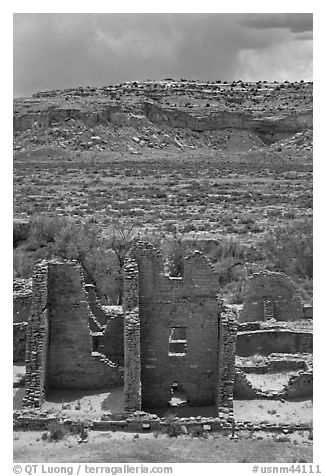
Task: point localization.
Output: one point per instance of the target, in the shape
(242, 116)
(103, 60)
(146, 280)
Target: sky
(62, 50)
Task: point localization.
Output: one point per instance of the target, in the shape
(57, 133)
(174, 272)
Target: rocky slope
(162, 114)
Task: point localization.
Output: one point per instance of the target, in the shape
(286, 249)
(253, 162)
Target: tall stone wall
(187, 305)
(226, 358)
(132, 377)
(37, 340)
(71, 363)
(271, 295)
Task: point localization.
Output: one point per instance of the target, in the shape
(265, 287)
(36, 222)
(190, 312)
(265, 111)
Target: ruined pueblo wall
(37, 340)
(271, 295)
(58, 338)
(265, 342)
(112, 340)
(132, 377)
(71, 363)
(109, 321)
(226, 358)
(189, 304)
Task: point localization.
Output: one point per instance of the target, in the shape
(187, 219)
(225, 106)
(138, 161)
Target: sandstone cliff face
(271, 112)
(44, 119)
(270, 128)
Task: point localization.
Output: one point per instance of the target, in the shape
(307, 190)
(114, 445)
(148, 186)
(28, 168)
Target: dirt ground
(273, 411)
(90, 402)
(119, 447)
(270, 381)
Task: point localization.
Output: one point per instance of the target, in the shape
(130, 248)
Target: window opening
(178, 341)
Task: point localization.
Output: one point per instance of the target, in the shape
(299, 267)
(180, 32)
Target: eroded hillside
(164, 114)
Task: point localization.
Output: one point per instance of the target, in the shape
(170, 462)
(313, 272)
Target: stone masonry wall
(165, 304)
(243, 389)
(37, 337)
(71, 363)
(95, 305)
(112, 339)
(265, 342)
(271, 295)
(226, 351)
(132, 385)
(299, 386)
(108, 323)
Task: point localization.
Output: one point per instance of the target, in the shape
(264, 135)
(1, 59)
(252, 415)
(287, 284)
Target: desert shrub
(290, 249)
(173, 426)
(235, 291)
(197, 432)
(174, 251)
(228, 248)
(22, 264)
(229, 270)
(45, 229)
(20, 232)
(102, 259)
(56, 432)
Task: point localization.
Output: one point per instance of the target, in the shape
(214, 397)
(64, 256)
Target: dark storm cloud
(65, 50)
(296, 23)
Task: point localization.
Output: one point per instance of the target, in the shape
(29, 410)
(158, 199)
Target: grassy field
(117, 447)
